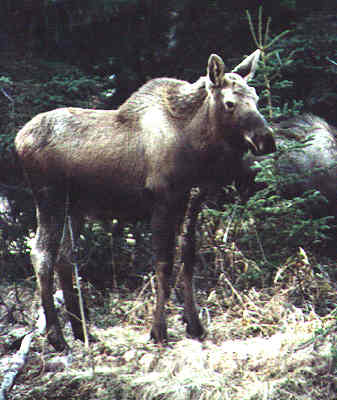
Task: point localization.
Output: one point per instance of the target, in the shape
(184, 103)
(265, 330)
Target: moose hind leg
(43, 255)
(64, 269)
(194, 327)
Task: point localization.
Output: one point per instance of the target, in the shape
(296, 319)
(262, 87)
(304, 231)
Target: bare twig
(229, 223)
(234, 291)
(78, 285)
(68, 224)
(260, 245)
(10, 99)
(332, 62)
(3, 91)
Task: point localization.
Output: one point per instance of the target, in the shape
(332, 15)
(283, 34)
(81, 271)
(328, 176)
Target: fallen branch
(17, 363)
(18, 360)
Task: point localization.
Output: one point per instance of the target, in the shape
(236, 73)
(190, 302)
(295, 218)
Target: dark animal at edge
(312, 168)
(138, 161)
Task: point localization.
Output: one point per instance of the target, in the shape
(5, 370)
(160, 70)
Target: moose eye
(229, 105)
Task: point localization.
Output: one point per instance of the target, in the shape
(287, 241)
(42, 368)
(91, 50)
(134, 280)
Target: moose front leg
(194, 327)
(163, 242)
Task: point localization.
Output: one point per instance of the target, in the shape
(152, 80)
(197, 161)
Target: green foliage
(269, 78)
(122, 254)
(8, 114)
(271, 227)
(74, 89)
(49, 85)
(283, 224)
(290, 4)
(5, 80)
(16, 226)
(272, 224)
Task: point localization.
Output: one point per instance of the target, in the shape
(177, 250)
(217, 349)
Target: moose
(314, 167)
(138, 161)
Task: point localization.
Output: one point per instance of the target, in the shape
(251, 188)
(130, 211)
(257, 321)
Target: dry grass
(275, 343)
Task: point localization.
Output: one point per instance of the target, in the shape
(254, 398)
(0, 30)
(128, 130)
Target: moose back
(138, 161)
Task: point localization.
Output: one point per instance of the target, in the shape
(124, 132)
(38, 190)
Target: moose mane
(174, 96)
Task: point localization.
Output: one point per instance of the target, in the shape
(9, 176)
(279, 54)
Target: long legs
(165, 224)
(47, 252)
(194, 326)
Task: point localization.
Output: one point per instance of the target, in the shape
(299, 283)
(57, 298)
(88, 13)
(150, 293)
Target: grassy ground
(273, 343)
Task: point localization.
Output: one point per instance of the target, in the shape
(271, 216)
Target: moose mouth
(260, 144)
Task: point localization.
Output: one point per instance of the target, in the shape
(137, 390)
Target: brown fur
(140, 160)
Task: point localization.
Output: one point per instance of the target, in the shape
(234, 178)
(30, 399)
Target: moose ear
(248, 66)
(215, 69)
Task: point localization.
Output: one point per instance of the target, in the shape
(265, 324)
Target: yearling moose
(138, 161)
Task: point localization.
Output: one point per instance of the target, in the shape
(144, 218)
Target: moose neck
(201, 123)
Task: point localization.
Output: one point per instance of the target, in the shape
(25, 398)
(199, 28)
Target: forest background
(94, 54)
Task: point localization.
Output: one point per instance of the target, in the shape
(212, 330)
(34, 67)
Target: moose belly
(116, 201)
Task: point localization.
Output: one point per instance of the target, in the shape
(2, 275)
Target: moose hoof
(159, 333)
(57, 341)
(196, 331)
(78, 334)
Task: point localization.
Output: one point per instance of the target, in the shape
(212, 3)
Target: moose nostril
(230, 105)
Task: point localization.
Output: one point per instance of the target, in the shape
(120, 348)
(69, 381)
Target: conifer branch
(263, 42)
